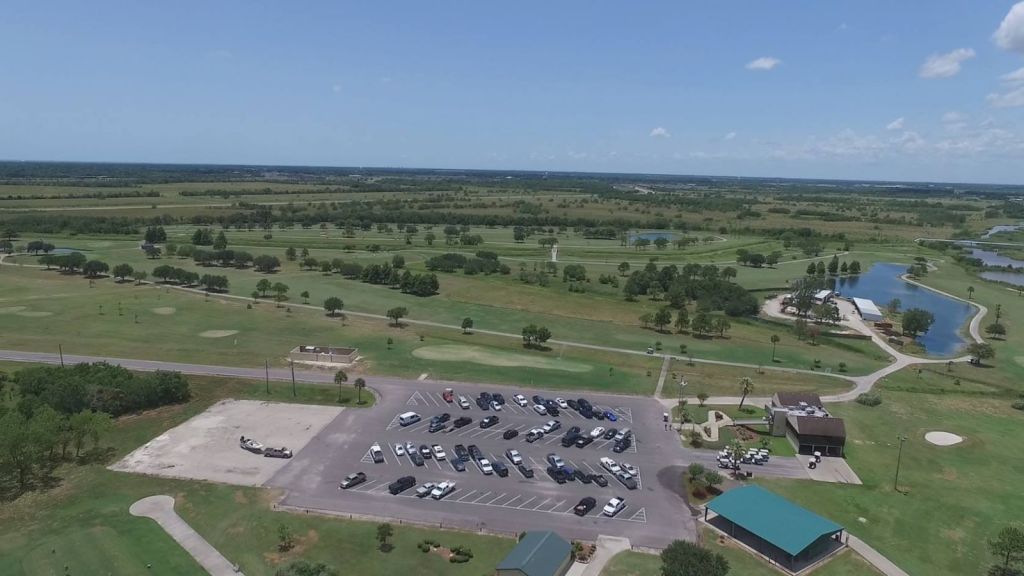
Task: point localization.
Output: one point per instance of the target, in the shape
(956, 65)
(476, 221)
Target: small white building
(867, 309)
(822, 296)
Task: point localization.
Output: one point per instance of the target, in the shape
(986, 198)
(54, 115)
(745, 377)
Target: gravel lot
(206, 446)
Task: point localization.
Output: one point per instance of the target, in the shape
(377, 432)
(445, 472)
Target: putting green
(478, 355)
(165, 310)
(218, 333)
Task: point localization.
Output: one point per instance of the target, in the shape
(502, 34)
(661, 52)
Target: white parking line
(502, 496)
(546, 500)
(482, 496)
(467, 495)
(592, 469)
(525, 503)
(506, 504)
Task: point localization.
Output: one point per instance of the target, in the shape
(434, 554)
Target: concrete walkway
(607, 548)
(161, 509)
(873, 557)
(662, 376)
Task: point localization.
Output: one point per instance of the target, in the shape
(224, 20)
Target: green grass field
(741, 562)
(82, 526)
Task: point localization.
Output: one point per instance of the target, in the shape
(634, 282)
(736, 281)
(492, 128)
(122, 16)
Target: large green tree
(917, 321)
(683, 558)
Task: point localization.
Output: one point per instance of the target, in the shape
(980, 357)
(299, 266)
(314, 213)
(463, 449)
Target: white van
(408, 418)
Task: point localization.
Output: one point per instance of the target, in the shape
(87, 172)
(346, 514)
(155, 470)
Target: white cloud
(1015, 77)
(945, 65)
(730, 136)
(1012, 99)
(660, 132)
(952, 117)
(896, 124)
(1010, 34)
(764, 63)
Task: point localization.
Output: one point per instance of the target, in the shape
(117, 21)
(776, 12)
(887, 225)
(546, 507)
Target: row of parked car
(543, 406)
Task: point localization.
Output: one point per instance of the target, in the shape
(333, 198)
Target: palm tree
(359, 384)
(970, 292)
(340, 378)
(746, 386)
(775, 340)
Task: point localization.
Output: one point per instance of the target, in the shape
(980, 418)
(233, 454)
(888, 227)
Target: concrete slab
(206, 446)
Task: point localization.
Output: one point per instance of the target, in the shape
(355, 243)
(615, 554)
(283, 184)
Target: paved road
(161, 509)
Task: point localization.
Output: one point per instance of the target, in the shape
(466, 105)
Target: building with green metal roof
(786, 534)
(538, 554)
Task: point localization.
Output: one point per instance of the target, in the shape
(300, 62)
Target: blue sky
(919, 90)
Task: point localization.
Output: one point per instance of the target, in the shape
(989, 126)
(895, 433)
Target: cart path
(161, 509)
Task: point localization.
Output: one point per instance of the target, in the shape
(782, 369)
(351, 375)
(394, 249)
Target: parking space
(655, 512)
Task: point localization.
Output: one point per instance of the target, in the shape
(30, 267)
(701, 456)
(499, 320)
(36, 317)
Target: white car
(410, 447)
(610, 465)
(613, 507)
(425, 489)
(597, 432)
(520, 399)
(630, 469)
(540, 409)
(441, 490)
(514, 457)
(438, 452)
(399, 449)
(561, 403)
(463, 403)
(485, 467)
(495, 406)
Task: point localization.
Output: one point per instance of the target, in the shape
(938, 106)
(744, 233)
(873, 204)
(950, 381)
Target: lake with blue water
(882, 282)
(651, 235)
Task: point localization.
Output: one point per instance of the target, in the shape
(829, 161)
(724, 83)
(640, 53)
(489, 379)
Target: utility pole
(60, 352)
(266, 367)
(292, 365)
(899, 459)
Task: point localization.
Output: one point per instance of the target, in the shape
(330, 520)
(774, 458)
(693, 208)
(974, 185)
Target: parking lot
(655, 512)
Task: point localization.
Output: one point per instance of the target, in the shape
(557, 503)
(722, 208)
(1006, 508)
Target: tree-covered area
(704, 284)
(98, 387)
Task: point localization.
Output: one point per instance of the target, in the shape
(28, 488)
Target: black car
(585, 405)
(599, 415)
(436, 427)
(352, 480)
(537, 399)
(569, 439)
(610, 433)
(583, 441)
(474, 452)
(425, 452)
(497, 397)
(622, 445)
(583, 477)
(575, 430)
(402, 484)
(442, 418)
(585, 506)
(557, 474)
(525, 470)
(459, 465)
(462, 421)
(461, 453)
(489, 421)
(416, 458)
(486, 397)
(600, 480)
(570, 474)
(573, 404)
(551, 407)
(510, 434)
(499, 468)
(482, 404)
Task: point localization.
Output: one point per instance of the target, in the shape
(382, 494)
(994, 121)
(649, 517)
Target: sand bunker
(12, 309)
(943, 438)
(478, 355)
(218, 333)
(165, 310)
(34, 313)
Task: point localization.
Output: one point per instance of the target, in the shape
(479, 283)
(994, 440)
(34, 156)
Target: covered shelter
(810, 434)
(786, 534)
(867, 309)
(539, 553)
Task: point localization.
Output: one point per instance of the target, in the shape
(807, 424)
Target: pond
(1001, 228)
(882, 283)
(651, 235)
(1008, 277)
(993, 258)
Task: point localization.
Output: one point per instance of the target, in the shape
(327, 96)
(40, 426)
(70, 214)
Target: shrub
(1018, 405)
(869, 399)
